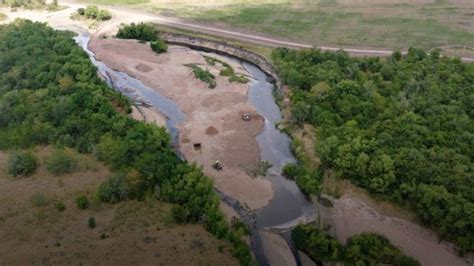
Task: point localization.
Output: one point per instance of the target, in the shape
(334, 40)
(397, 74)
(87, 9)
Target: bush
(159, 46)
(91, 223)
(82, 202)
(141, 31)
(290, 170)
(60, 206)
(93, 12)
(61, 162)
(22, 164)
(317, 244)
(204, 76)
(226, 72)
(180, 214)
(114, 189)
(238, 78)
(81, 11)
(39, 200)
(374, 249)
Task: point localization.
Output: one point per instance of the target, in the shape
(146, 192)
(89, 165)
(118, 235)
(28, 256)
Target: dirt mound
(211, 131)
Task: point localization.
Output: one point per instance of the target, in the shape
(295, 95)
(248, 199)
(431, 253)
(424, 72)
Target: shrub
(226, 72)
(318, 245)
(159, 46)
(290, 170)
(81, 11)
(61, 162)
(22, 164)
(204, 76)
(39, 200)
(263, 168)
(141, 31)
(114, 189)
(93, 12)
(91, 223)
(103, 15)
(239, 226)
(180, 214)
(60, 206)
(373, 249)
(82, 202)
(238, 78)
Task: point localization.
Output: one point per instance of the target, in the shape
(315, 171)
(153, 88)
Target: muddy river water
(289, 205)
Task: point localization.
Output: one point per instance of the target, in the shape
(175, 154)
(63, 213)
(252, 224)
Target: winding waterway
(289, 205)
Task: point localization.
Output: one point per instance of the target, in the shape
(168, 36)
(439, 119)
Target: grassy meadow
(394, 24)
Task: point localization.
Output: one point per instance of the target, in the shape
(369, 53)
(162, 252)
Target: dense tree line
(401, 127)
(50, 94)
(362, 249)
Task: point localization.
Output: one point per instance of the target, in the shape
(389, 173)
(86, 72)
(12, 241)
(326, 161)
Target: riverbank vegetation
(204, 75)
(227, 70)
(400, 127)
(94, 13)
(50, 94)
(362, 249)
(3, 16)
(143, 32)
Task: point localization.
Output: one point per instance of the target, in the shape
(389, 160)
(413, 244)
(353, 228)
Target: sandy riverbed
(213, 116)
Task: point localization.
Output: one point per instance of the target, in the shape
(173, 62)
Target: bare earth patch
(276, 249)
(220, 108)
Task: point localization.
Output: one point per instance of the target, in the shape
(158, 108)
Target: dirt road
(240, 34)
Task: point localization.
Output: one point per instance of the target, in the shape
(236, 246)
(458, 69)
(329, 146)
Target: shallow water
(289, 205)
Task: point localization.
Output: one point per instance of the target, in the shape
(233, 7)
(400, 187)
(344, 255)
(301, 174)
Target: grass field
(33, 230)
(394, 24)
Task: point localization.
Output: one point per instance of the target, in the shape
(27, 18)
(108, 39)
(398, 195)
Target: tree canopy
(401, 127)
(50, 94)
(361, 249)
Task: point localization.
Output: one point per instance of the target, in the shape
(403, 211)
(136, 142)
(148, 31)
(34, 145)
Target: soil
(34, 231)
(213, 116)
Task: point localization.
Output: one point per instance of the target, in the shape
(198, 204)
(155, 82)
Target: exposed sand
(276, 249)
(213, 116)
(149, 115)
(305, 259)
(351, 215)
(228, 212)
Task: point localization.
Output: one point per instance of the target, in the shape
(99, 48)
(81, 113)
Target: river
(289, 205)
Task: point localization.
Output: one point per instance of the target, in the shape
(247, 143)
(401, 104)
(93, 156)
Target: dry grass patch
(40, 223)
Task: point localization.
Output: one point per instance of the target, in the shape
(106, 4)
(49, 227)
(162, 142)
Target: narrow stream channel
(289, 205)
